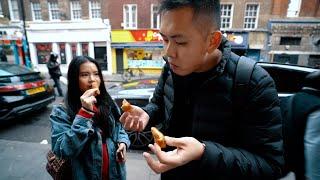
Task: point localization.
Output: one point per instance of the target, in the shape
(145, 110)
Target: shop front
(238, 41)
(137, 49)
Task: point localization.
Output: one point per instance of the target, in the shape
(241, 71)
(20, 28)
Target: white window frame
(152, 17)
(230, 17)
(130, 24)
(94, 5)
(33, 11)
(75, 6)
(51, 9)
(12, 11)
(1, 12)
(257, 16)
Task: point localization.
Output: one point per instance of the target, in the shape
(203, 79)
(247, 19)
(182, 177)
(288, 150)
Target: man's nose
(170, 50)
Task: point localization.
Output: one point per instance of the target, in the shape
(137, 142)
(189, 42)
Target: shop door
(119, 59)
(100, 54)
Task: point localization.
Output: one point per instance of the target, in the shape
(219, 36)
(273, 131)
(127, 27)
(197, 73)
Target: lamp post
(25, 44)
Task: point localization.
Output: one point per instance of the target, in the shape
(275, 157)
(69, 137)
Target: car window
(10, 69)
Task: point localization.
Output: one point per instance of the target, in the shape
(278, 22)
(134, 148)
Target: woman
(86, 127)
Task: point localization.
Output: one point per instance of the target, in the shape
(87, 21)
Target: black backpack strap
(242, 76)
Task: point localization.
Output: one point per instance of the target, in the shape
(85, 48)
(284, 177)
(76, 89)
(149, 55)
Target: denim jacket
(80, 141)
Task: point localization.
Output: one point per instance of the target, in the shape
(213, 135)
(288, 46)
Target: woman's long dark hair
(72, 101)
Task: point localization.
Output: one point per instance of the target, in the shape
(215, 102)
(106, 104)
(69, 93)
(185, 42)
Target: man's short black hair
(207, 8)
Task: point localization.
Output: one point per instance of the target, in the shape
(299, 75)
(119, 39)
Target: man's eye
(181, 43)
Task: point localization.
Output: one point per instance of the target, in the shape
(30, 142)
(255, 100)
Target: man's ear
(214, 41)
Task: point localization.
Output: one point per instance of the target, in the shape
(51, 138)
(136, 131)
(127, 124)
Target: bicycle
(129, 73)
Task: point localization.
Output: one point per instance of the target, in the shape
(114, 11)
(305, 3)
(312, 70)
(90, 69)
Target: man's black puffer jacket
(246, 145)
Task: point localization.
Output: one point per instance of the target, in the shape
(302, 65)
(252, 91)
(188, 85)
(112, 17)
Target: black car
(288, 80)
(21, 91)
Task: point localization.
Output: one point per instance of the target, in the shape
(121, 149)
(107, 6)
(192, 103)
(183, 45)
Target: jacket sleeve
(69, 138)
(259, 133)
(155, 109)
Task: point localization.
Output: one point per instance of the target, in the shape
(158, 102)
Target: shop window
(62, 47)
(145, 58)
(130, 16)
(286, 59)
(314, 61)
(226, 15)
(251, 16)
(36, 11)
(85, 49)
(290, 41)
(74, 50)
(54, 13)
(94, 9)
(75, 10)
(43, 52)
(14, 10)
(155, 17)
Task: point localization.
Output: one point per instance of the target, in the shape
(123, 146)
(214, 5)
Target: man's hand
(188, 149)
(88, 98)
(135, 120)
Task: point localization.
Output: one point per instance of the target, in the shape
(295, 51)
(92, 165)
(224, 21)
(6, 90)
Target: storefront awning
(136, 45)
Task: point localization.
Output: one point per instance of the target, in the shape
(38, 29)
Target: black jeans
(57, 84)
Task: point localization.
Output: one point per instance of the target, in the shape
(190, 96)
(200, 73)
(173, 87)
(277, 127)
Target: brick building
(295, 37)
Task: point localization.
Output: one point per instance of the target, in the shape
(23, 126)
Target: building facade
(136, 42)
(295, 38)
(69, 28)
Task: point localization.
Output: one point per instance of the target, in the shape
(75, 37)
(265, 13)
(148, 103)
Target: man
(54, 71)
(214, 138)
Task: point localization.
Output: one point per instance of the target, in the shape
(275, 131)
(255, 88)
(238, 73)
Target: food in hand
(158, 137)
(126, 106)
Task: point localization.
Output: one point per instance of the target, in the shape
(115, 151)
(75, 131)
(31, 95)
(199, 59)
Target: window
(36, 11)
(75, 10)
(14, 10)
(130, 16)
(54, 13)
(95, 9)
(155, 17)
(1, 12)
(294, 8)
(251, 16)
(290, 41)
(226, 16)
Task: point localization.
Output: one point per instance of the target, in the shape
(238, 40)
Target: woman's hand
(121, 152)
(134, 120)
(88, 98)
(188, 149)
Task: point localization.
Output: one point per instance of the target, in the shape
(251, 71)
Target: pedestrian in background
(3, 56)
(216, 136)
(54, 71)
(86, 127)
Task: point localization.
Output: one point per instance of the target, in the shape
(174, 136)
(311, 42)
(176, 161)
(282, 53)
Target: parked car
(288, 79)
(137, 92)
(21, 91)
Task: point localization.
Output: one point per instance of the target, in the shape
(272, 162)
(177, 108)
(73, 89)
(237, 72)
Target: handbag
(58, 168)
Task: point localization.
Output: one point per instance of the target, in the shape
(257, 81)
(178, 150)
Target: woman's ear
(214, 41)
